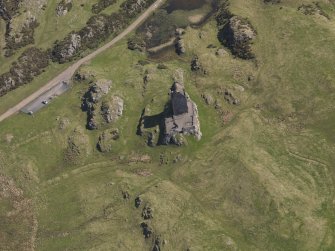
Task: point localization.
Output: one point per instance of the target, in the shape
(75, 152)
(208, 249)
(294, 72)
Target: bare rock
(112, 110)
(138, 201)
(195, 64)
(180, 46)
(63, 7)
(230, 98)
(147, 213)
(209, 100)
(125, 195)
(157, 244)
(147, 230)
(237, 35)
(220, 52)
(91, 100)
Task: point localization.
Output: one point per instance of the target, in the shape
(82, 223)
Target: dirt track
(68, 73)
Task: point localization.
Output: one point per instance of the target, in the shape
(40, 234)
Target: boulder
(209, 100)
(125, 195)
(195, 64)
(146, 230)
(147, 213)
(157, 244)
(230, 98)
(138, 201)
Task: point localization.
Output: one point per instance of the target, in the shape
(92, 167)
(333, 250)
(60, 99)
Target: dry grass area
(261, 178)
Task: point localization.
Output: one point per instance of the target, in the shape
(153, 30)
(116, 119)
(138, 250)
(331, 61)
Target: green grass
(262, 181)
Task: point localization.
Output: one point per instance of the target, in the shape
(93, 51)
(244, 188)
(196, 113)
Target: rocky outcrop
(63, 7)
(9, 8)
(313, 9)
(146, 230)
(131, 8)
(180, 43)
(67, 49)
(238, 35)
(92, 101)
(136, 43)
(20, 38)
(181, 117)
(180, 46)
(209, 100)
(107, 139)
(157, 244)
(147, 213)
(112, 109)
(138, 201)
(21, 22)
(30, 64)
(196, 66)
(97, 29)
(230, 98)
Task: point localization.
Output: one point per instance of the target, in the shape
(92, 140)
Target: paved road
(48, 96)
(68, 73)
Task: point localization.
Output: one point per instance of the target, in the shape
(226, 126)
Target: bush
(30, 64)
(101, 5)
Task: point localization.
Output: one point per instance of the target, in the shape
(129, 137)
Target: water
(160, 28)
(184, 5)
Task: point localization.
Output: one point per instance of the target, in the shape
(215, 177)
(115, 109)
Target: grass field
(261, 178)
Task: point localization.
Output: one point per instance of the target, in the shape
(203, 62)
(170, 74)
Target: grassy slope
(263, 181)
(51, 28)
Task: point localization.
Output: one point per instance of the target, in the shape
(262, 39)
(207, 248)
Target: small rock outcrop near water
(180, 44)
(235, 32)
(237, 35)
